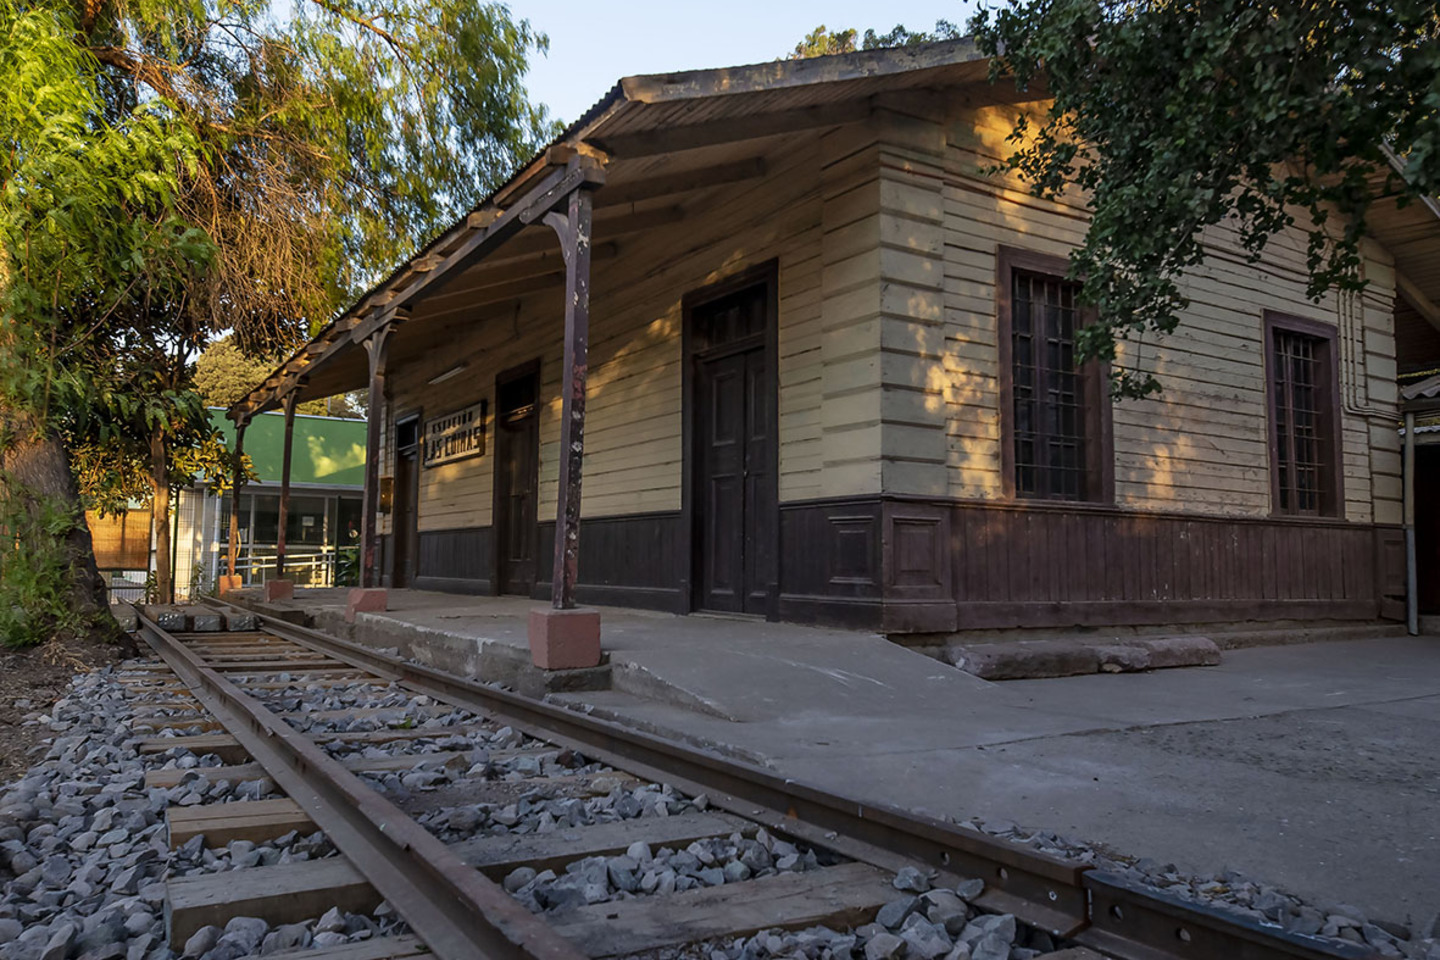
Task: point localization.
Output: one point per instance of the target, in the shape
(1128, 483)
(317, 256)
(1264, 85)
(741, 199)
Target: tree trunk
(160, 480)
(37, 466)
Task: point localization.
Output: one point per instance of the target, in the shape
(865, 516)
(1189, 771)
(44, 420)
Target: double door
(735, 491)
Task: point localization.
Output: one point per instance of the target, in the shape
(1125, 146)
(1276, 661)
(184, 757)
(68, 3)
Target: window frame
(1332, 498)
(1094, 379)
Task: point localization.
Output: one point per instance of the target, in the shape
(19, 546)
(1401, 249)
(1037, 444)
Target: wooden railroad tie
(228, 749)
(291, 893)
(220, 823)
(253, 771)
(379, 714)
(281, 815)
(377, 948)
(841, 895)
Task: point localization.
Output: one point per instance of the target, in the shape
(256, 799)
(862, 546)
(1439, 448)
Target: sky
(594, 44)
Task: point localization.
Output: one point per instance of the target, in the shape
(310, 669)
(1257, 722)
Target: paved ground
(1314, 767)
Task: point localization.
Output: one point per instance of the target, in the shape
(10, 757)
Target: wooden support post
(232, 581)
(1412, 580)
(573, 228)
(566, 637)
(375, 347)
(284, 517)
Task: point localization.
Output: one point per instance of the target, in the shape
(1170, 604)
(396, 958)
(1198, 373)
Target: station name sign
(455, 436)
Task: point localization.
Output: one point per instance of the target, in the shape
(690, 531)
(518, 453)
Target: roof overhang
(1409, 228)
(1423, 396)
(642, 117)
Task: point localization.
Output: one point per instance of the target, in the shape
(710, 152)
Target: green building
(327, 476)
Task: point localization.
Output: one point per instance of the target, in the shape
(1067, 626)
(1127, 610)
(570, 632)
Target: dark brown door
(406, 493)
(735, 488)
(517, 449)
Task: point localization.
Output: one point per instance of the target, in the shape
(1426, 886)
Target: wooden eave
(652, 133)
(1411, 233)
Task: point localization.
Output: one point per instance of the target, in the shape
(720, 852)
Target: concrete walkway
(1313, 767)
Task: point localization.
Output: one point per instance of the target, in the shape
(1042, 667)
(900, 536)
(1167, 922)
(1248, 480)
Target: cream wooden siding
(1202, 446)
(633, 419)
(886, 235)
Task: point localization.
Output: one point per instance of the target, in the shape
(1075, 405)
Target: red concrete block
(565, 639)
(279, 590)
(228, 583)
(365, 600)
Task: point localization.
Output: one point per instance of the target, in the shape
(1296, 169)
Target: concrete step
(1305, 633)
(1037, 659)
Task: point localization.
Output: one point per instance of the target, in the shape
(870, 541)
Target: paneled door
(405, 502)
(735, 455)
(517, 456)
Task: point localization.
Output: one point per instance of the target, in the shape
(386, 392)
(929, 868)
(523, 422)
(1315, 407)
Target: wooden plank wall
(1061, 567)
(633, 431)
(1202, 446)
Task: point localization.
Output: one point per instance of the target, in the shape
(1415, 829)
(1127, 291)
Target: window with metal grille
(1048, 392)
(1302, 415)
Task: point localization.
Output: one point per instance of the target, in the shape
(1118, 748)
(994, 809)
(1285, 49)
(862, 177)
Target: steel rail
(1071, 900)
(456, 910)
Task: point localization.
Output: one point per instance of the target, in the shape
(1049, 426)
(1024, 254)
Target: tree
(901, 37)
(1173, 117)
(85, 227)
(174, 170)
(224, 374)
(820, 42)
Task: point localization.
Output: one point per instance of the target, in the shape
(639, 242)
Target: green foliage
(172, 171)
(224, 373)
(109, 482)
(88, 231)
(1173, 117)
(901, 37)
(34, 567)
(347, 567)
(820, 42)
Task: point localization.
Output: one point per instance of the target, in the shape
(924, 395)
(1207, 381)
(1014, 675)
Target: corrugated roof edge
(298, 416)
(1427, 389)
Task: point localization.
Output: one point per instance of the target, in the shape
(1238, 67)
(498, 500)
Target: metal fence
(125, 586)
(306, 569)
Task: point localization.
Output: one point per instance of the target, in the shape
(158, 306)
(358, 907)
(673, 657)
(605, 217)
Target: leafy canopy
(1176, 116)
(820, 42)
(224, 374)
(175, 170)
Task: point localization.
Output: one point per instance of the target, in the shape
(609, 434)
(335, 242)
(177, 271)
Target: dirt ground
(32, 680)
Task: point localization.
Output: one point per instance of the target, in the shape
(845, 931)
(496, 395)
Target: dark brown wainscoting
(626, 561)
(455, 561)
(934, 566)
(830, 562)
(382, 550)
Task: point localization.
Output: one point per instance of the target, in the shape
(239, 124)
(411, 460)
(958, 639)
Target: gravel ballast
(83, 852)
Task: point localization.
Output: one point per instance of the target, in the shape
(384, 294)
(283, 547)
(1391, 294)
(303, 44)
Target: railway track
(499, 826)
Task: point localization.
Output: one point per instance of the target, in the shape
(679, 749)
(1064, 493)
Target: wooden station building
(814, 363)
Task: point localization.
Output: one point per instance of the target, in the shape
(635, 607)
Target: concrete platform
(1315, 767)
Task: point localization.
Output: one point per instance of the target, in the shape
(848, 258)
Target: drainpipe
(1412, 601)
(175, 542)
